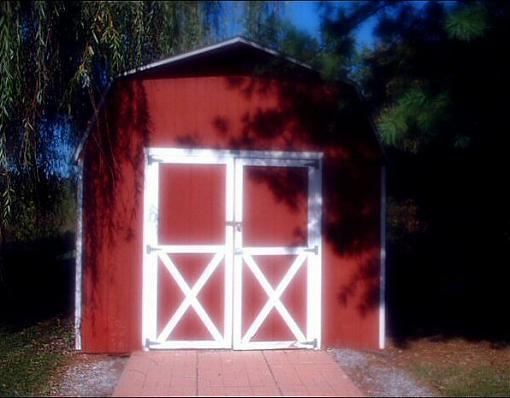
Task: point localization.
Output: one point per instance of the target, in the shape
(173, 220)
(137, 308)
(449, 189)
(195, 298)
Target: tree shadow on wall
(306, 116)
(309, 116)
(114, 174)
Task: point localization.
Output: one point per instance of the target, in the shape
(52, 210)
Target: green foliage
(416, 79)
(45, 210)
(338, 28)
(467, 23)
(437, 81)
(413, 120)
(262, 21)
(329, 63)
(404, 222)
(10, 50)
(299, 44)
(265, 23)
(60, 56)
(56, 59)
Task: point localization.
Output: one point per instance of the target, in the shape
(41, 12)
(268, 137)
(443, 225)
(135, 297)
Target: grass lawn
(457, 367)
(31, 356)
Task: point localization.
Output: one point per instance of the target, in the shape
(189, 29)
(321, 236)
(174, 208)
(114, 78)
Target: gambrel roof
(238, 53)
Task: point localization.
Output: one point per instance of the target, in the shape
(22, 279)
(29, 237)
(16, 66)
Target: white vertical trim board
(382, 282)
(229, 252)
(237, 258)
(315, 259)
(78, 277)
(150, 260)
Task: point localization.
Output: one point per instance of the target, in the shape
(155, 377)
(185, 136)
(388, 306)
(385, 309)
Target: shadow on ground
(37, 280)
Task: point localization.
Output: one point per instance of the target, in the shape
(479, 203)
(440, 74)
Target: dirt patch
(376, 375)
(88, 375)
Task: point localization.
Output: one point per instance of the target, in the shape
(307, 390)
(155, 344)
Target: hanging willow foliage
(56, 58)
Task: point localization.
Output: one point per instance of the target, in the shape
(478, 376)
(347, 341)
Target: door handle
(238, 226)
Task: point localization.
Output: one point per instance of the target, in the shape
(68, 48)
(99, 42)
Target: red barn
(229, 198)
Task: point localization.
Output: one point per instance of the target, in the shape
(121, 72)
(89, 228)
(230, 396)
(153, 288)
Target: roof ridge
(210, 48)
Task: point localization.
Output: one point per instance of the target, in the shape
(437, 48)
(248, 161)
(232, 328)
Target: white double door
(232, 249)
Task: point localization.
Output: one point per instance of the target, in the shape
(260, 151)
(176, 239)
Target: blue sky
(305, 15)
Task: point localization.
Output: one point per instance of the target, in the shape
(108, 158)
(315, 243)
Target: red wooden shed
(229, 198)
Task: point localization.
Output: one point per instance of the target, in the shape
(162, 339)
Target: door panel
(188, 270)
(192, 204)
(277, 253)
(275, 206)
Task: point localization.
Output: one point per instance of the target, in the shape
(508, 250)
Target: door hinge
(151, 159)
(314, 250)
(149, 249)
(149, 343)
(312, 343)
(313, 163)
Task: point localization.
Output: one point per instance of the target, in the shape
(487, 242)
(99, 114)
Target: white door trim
(382, 281)
(153, 253)
(173, 155)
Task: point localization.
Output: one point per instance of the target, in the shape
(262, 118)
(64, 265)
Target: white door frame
(310, 254)
(153, 252)
(233, 256)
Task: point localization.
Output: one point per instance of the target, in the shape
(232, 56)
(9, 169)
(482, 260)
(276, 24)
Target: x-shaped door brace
(274, 297)
(190, 295)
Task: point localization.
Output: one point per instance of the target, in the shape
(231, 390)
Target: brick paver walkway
(241, 373)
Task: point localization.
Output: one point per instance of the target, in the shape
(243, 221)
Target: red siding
(233, 112)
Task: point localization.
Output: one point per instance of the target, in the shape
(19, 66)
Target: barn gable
(239, 56)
